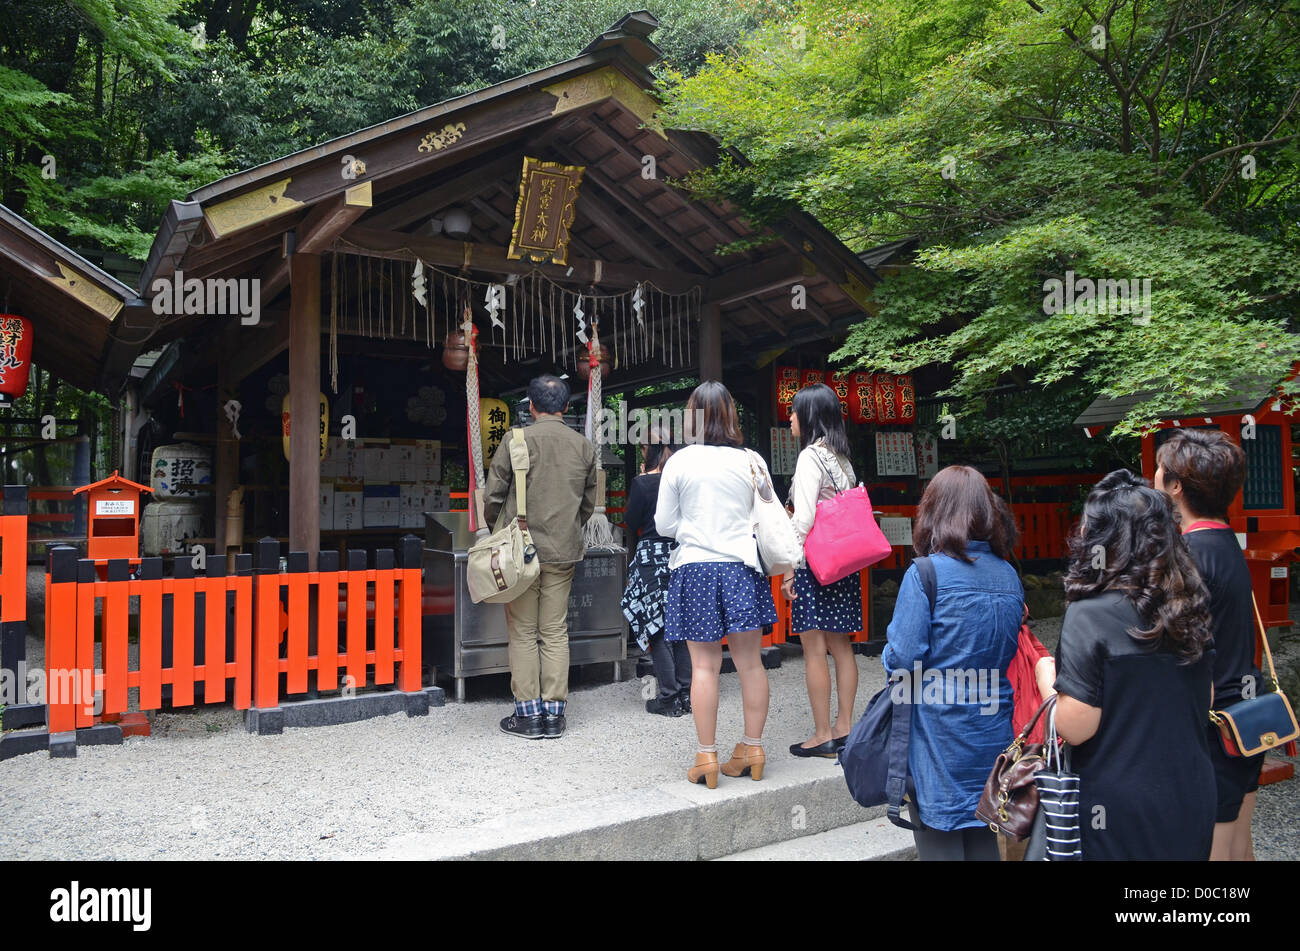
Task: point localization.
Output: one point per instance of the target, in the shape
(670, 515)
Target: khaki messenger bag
(505, 563)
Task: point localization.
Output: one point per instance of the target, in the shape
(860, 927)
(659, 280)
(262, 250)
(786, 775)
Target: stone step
(796, 799)
(876, 840)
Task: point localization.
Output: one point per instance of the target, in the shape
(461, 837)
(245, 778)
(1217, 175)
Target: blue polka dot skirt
(707, 600)
(835, 607)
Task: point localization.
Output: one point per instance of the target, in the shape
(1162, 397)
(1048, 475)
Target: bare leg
(706, 664)
(1243, 845)
(747, 654)
(1221, 848)
(846, 681)
(817, 676)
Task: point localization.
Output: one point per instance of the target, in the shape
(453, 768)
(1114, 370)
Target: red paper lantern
(839, 382)
(812, 378)
(15, 355)
(895, 399)
(862, 397)
(787, 385)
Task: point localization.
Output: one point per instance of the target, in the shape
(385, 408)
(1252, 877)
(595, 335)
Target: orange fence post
(60, 637)
(243, 587)
(151, 633)
(266, 626)
(385, 577)
(299, 582)
(409, 622)
(85, 639)
(214, 588)
(327, 620)
(183, 617)
(116, 625)
(13, 556)
(356, 619)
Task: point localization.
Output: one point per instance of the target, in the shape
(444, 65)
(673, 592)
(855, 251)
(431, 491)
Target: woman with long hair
(824, 616)
(706, 501)
(647, 583)
(1134, 679)
(954, 657)
(1202, 470)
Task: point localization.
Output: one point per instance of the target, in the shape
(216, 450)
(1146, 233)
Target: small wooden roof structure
(114, 480)
(76, 309)
(1248, 397)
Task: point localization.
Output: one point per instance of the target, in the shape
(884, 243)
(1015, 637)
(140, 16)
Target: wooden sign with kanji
(544, 212)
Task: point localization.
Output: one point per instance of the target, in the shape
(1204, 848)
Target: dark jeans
(960, 845)
(672, 663)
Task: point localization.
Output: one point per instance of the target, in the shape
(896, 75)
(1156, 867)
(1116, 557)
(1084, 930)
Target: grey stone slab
(678, 821)
(876, 840)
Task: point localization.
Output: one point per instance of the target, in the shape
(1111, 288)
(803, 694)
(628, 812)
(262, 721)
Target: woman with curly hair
(1134, 682)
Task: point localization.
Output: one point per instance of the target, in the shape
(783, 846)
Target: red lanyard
(1195, 525)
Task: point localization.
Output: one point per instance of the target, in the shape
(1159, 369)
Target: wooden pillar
(711, 343)
(225, 463)
(304, 405)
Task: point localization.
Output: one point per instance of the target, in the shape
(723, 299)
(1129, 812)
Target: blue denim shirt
(955, 672)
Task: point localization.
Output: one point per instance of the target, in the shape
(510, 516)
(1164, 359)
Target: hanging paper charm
(638, 305)
(578, 315)
(418, 283)
(495, 302)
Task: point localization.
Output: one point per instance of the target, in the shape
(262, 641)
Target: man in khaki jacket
(561, 497)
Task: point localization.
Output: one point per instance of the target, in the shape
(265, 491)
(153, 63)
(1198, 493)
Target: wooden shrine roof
(76, 309)
(595, 110)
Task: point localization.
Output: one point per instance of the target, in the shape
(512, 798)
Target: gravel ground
(203, 788)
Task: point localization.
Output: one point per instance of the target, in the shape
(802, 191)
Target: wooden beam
(322, 225)
(762, 314)
(259, 346)
(637, 210)
(710, 344)
(397, 245)
(304, 405)
(759, 278)
(428, 201)
(635, 154)
(591, 208)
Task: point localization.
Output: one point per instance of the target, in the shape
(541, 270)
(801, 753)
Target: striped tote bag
(1055, 836)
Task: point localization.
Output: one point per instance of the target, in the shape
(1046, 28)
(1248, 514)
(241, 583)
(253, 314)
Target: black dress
(1223, 567)
(1145, 778)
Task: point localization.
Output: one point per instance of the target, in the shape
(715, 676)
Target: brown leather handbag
(1010, 798)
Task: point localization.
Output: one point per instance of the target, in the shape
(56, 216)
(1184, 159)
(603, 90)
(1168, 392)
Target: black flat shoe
(839, 741)
(530, 728)
(552, 726)
(664, 706)
(826, 750)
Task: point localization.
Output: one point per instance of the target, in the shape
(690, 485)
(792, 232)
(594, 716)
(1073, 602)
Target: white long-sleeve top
(817, 476)
(706, 502)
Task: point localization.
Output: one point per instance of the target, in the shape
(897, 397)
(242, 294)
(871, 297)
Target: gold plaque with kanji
(544, 212)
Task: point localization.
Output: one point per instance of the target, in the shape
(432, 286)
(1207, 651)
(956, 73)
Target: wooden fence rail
(260, 630)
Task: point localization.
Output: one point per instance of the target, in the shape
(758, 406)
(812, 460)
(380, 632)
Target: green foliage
(1018, 150)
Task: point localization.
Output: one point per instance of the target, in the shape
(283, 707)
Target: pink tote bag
(844, 538)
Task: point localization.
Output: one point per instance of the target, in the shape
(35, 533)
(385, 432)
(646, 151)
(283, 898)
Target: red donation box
(113, 518)
(15, 356)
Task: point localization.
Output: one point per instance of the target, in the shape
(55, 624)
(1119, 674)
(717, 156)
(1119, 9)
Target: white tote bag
(778, 546)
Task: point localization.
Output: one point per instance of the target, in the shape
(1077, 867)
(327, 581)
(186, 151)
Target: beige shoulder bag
(505, 563)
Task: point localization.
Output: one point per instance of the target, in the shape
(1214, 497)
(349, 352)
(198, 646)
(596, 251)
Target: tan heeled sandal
(705, 770)
(745, 759)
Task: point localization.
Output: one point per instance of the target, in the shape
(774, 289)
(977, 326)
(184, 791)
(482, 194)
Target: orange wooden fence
(261, 629)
